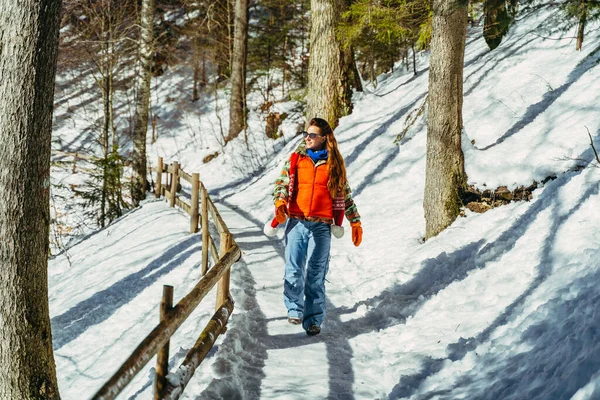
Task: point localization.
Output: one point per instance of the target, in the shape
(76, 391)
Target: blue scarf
(318, 155)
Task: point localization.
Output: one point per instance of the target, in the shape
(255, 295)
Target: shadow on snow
(395, 304)
(100, 306)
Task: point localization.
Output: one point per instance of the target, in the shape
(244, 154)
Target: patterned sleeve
(351, 210)
(281, 184)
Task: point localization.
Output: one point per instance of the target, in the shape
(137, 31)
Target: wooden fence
(171, 317)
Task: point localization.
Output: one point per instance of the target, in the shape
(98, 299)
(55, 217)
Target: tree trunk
(445, 174)
(414, 59)
(267, 67)
(107, 105)
(107, 136)
(496, 22)
(304, 50)
(230, 33)
(284, 67)
(354, 75)
(138, 189)
(28, 49)
(581, 30)
(203, 79)
(104, 140)
(372, 74)
(237, 104)
(196, 61)
(328, 87)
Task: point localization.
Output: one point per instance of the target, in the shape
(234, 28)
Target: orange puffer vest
(311, 198)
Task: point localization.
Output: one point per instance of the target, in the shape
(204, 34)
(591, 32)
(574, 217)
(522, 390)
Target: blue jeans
(306, 264)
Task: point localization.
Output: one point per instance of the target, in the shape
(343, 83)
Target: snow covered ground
(501, 305)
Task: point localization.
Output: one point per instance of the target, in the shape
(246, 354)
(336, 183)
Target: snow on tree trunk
(445, 173)
(138, 187)
(28, 48)
(237, 103)
(328, 86)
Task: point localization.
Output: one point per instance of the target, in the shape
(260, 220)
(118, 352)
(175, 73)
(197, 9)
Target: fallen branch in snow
(593, 148)
(410, 120)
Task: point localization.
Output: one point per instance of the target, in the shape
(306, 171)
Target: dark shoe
(294, 320)
(313, 330)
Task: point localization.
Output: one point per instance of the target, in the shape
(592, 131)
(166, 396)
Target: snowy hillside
(501, 305)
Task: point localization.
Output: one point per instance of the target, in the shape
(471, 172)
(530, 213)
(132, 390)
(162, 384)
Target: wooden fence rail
(171, 317)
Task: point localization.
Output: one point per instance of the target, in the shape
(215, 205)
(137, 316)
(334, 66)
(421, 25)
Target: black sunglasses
(311, 135)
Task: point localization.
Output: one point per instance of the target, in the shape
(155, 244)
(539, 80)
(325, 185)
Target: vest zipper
(312, 192)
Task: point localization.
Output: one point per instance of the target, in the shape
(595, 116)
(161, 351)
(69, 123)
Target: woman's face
(318, 143)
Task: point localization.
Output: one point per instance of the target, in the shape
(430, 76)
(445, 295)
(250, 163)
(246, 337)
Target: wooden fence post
(159, 172)
(205, 232)
(195, 202)
(223, 288)
(161, 334)
(168, 180)
(174, 181)
(216, 326)
(162, 359)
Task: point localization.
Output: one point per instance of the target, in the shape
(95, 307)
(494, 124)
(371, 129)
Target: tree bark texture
(237, 102)
(144, 79)
(445, 173)
(328, 84)
(581, 30)
(28, 49)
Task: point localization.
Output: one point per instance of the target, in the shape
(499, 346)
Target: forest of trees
(315, 52)
(278, 48)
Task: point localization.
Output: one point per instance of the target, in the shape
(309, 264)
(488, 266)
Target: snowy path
(402, 341)
(97, 322)
(293, 364)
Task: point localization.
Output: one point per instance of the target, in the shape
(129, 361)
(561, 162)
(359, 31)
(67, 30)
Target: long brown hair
(335, 161)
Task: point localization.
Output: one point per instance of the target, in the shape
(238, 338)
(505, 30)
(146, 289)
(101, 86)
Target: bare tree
(28, 52)
(100, 34)
(445, 175)
(237, 104)
(328, 87)
(144, 78)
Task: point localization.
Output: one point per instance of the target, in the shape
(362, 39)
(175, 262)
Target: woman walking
(312, 193)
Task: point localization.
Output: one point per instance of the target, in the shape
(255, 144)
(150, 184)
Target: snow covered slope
(501, 305)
